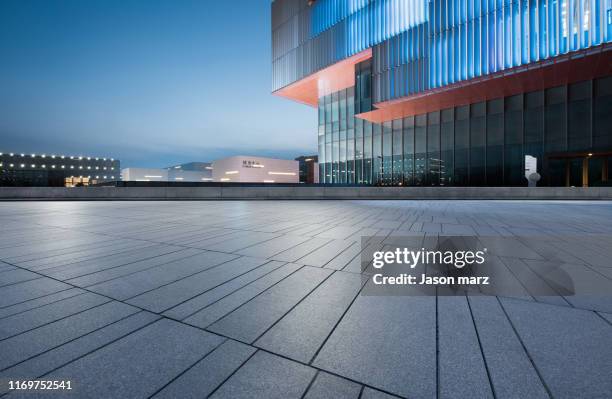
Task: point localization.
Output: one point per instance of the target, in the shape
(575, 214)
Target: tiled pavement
(261, 299)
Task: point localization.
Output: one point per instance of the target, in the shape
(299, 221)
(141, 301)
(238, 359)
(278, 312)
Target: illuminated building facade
(17, 169)
(249, 169)
(451, 92)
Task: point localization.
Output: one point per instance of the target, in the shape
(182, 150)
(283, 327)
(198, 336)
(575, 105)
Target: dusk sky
(150, 82)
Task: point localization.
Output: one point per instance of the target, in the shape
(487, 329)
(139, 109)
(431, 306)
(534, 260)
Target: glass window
(363, 84)
(350, 160)
(377, 165)
(408, 128)
(555, 138)
(420, 150)
(602, 115)
(513, 138)
(350, 104)
(462, 145)
(342, 108)
(433, 149)
(579, 117)
(367, 153)
(328, 109)
(328, 162)
(387, 142)
(533, 119)
(558, 172)
(335, 161)
(328, 152)
(398, 149)
(322, 111)
(342, 164)
(596, 171)
(477, 144)
(358, 127)
(322, 158)
(447, 147)
(335, 108)
(495, 142)
(359, 160)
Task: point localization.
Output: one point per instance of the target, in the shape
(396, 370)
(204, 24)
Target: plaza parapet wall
(451, 92)
(237, 191)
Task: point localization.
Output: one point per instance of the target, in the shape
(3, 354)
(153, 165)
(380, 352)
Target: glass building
(451, 92)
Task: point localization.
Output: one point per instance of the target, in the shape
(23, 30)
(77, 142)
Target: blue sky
(151, 82)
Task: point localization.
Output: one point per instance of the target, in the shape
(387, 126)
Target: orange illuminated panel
(329, 80)
(562, 70)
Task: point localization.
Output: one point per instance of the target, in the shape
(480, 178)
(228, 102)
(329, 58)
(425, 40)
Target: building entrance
(579, 169)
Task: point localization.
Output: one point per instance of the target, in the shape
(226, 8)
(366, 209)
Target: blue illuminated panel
(425, 44)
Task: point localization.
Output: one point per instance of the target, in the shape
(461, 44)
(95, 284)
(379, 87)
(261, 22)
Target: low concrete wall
(237, 192)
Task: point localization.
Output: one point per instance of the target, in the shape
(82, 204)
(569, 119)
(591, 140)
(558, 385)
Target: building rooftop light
(282, 173)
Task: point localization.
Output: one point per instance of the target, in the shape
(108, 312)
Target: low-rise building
(248, 169)
(21, 169)
(190, 172)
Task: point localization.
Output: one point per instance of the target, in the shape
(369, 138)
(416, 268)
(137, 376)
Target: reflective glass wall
(481, 144)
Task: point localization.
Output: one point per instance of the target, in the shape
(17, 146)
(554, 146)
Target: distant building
(56, 170)
(309, 169)
(193, 166)
(247, 169)
(189, 172)
(144, 174)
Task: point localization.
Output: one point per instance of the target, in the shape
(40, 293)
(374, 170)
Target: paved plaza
(261, 299)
